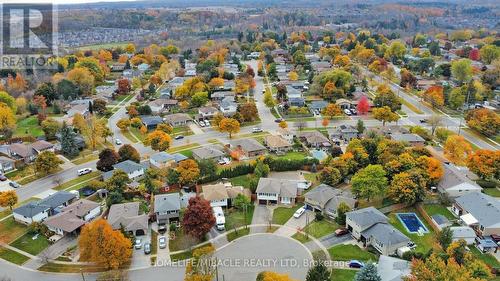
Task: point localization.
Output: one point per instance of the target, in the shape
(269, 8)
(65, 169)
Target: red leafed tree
(198, 218)
(250, 71)
(123, 86)
(363, 105)
(474, 54)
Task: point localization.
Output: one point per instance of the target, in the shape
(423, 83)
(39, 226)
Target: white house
(456, 182)
(216, 194)
(73, 217)
(38, 211)
(134, 170)
(274, 191)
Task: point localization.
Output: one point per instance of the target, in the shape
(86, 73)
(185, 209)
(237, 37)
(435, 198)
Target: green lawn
(433, 209)
(188, 153)
(183, 147)
(350, 252)
(293, 155)
(129, 136)
(425, 242)
(488, 259)
(10, 230)
(28, 126)
(316, 229)
(12, 256)
(81, 179)
(342, 274)
(243, 180)
(495, 192)
(237, 234)
(282, 214)
(27, 244)
(138, 135)
(236, 218)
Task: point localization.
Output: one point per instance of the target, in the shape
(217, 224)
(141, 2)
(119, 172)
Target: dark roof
(32, 208)
(151, 120)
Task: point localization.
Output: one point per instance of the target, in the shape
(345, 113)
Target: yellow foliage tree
(230, 126)
(8, 199)
(7, 118)
(457, 149)
(293, 76)
(188, 171)
(158, 140)
(283, 124)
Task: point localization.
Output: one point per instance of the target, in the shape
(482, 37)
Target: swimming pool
(319, 154)
(412, 223)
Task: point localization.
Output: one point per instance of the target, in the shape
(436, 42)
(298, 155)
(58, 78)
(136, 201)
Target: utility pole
(83, 276)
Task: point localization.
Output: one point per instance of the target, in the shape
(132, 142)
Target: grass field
(81, 179)
(282, 214)
(28, 126)
(342, 274)
(10, 230)
(69, 268)
(488, 259)
(237, 234)
(186, 254)
(243, 180)
(316, 229)
(183, 147)
(27, 244)
(129, 136)
(433, 209)
(350, 252)
(495, 192)
(236, 218)
(293, 155)
(12, 256)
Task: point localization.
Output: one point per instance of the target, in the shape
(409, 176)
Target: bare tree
(57, 180)
(434, 121)
(300, 125)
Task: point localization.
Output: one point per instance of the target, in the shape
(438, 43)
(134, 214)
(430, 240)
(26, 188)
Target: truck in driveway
(220, 220)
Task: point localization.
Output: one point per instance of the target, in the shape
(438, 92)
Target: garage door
(139, 232)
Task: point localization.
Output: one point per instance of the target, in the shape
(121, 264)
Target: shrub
(319, 216)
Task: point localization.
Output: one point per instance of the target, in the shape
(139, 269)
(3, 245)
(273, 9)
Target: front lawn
(342, 274)
(12, 256)
(179, 241)
(186, 254)
(316, 229)
(434, 209)
(10, 230)
(350, 252)
(236, 218)
(81, 179)
(494, 192)
(282, 214)
(28, 126)
(487, 258)
(237, 234)
(425, 242)
(27, 244)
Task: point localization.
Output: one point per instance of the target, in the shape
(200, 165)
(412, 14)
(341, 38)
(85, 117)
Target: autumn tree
(118, 181)
(433, 167)
(128, 152)
(484, 120)
(283, 124)
(107, 158)
(445, 237)
(99, 235)
(485, 163)
(293, 76)
(248, 111)
(363, 106)
(82, 78)
(462, 70)
(93, 129)
(123, 124)
(434, 95)
(47, 162)
(331, 110)
(369, 182)
(330, 175)
(158, 140)
(124, 86)
(268, 98)
(7, 119)
(8, 199)
(342, 209)
(384, 114)
(8, 100)
(229, 125)
(198, 218)
(50, 127)
(386, 97)
(274, 276)
(189, 172)
(457, 149)
(489, 53)
(396, 51)
(406, 187)
(200, 267)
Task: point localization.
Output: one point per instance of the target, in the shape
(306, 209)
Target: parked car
(347, 112)
(84, 171)
(341, 231)
(3, 177)
(412, 245)
(354, 111)
(147, 248)
(138, 244)
(162, 242)
(202, 124)
(256, 130)
(179, 137)
(207, 123)
(355, 264)
(299, 212)
(14, 184)
(279, 120)
(118, 142)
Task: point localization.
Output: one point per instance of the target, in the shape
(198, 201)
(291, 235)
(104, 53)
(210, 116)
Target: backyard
(424, 243)
(316, 229)
(28, 126)
(436, 209)
(350, 252)
(282, 214)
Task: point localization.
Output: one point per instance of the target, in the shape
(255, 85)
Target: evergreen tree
(368, 273)
(319, 272)
(69, 146)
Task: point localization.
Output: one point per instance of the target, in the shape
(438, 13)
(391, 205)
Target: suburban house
(73, 217)
(219, 96)
(126, 216)
(286, 134)
(277, 191)
(21, 151)
(318, 105)
(162, 105)
(412, 139)
(165, 160)
(178, 119)
(463, 233)
(151, 122)
(38, 211)
(7, 164)
(247, 147)
(221, 195)
(228, 106)
(277, 144)
(456, 182)
(342, 133)
(41, 146)
(211, 152)
(326, 199)
(315, 139)
(479, 211)
(393, 269)
(167, 208)
(207, 112)
(346, 104)
(132, 169)
(372, 228)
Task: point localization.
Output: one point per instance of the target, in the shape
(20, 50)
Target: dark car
(355, 264)
(14, 184)
(423, 120)
(3, 177)
(179, 137)
(279, 120)
(162, 228)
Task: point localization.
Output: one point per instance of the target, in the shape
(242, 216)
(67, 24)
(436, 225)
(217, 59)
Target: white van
(84, 171)
(220, 220)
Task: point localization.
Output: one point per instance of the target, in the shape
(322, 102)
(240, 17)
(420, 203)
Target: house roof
(318, 104)
(162, 102)
(276, 141)
(177, 117)
(248, 145)
(392, 269)
(214, 192)
(66, 221)
(314, 137)
(484, 208)
(366, 217)
(128, 166)
(326, 195)
(208, 152)
(207, 109)
(21, 149)
(440, 219)
(455, 179)
(81, 207)
(407, 137)
(167, 202)
(460, 232)
(283, 187)
(6, 159)
(127, 215)
(164, 157)
(386, 234)
(151, 120)
(41, 145)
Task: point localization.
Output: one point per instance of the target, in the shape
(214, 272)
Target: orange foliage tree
(485, 163)
(457, 149)
(434, 95)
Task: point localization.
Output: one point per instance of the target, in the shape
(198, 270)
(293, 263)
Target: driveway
(244, 258)
(261, 215)
(196, 130)
(329, 241)
(139, 259)
(293, 224)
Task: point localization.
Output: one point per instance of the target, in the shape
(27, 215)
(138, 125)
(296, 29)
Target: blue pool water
(411, 222)
(319, 154)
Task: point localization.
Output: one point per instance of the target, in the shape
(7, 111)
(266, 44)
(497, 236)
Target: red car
(341, 231)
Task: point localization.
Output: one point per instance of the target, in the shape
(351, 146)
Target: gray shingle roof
(32, 208)
(386, 234)
(164, 157)
(407, 137)
(454, 177)
(248, 145)
(366, 217)
(392, 269)
(151, 120)
(208, 152)
(440, 219)
(484, 208)
(128, 166)
(166, 202)
(127, 215)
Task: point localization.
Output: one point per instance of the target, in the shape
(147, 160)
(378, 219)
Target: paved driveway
(244, 258)
(261, 215)
(139, 259)
(291, 226)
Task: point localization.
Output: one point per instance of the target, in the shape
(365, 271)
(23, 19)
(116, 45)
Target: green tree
(50, 127)
(241, 202)
(342, 209)
(368, 273)
(261, 169)
(330, 175)
(319, 272)
(128, 152)
(369, 182)
(445, 237)
(69, 146)
(9, 100)
(396, 51)
(208, 168)
(47, 162)
(118, 181)
(360, 126)
(489, 53)
(462, 70)
(386, 97)
(199, 99)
